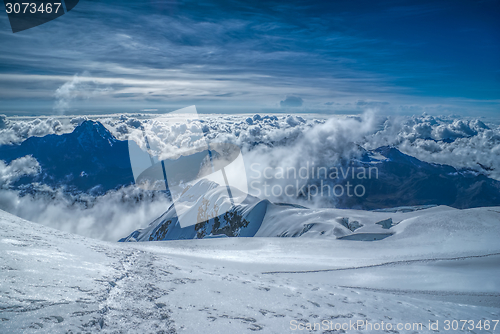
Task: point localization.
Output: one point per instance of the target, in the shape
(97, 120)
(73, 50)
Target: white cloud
(10, 173)
(3, 121)
(18, 130)
(109, 217)
(461, 143)
(291, 102)
(79, 87)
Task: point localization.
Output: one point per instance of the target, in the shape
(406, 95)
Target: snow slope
(441, 264)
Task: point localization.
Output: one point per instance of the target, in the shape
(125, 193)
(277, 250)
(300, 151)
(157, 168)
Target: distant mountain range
(91, 159)
(404, 180)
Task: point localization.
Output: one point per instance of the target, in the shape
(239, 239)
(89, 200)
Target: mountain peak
(93, 127)
(92, 132)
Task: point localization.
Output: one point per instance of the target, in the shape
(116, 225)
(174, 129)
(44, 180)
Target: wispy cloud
(77, 88)
(222, 54)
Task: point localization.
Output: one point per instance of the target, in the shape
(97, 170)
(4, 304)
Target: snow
(440, 264)
(411, 232)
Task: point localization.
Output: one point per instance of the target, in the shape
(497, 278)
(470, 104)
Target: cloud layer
(460, 142)
(109, 217)
(266, 141)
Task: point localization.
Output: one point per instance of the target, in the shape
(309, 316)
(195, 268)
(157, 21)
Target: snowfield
(439, 264)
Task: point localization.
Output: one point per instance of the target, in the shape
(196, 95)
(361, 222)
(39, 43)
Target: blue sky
(241, 56)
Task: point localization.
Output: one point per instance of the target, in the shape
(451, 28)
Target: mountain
(88, 159)
(243, 220)
(402, 180)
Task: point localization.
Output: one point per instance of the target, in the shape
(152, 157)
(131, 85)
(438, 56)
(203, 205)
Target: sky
(331, 57)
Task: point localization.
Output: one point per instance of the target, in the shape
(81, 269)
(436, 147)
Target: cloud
(109, 217)
(371, 104)
(242, 55)
(458, 129)
(3, 122)
(266, 59)
(449, 140)
(291, 102)
(302, 145)
(461, 143)
(294, 120)
(18, 130)
(79, 87)
(10, 173)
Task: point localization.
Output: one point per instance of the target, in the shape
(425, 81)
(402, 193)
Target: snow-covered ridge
(242, 220)
(261, 218)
